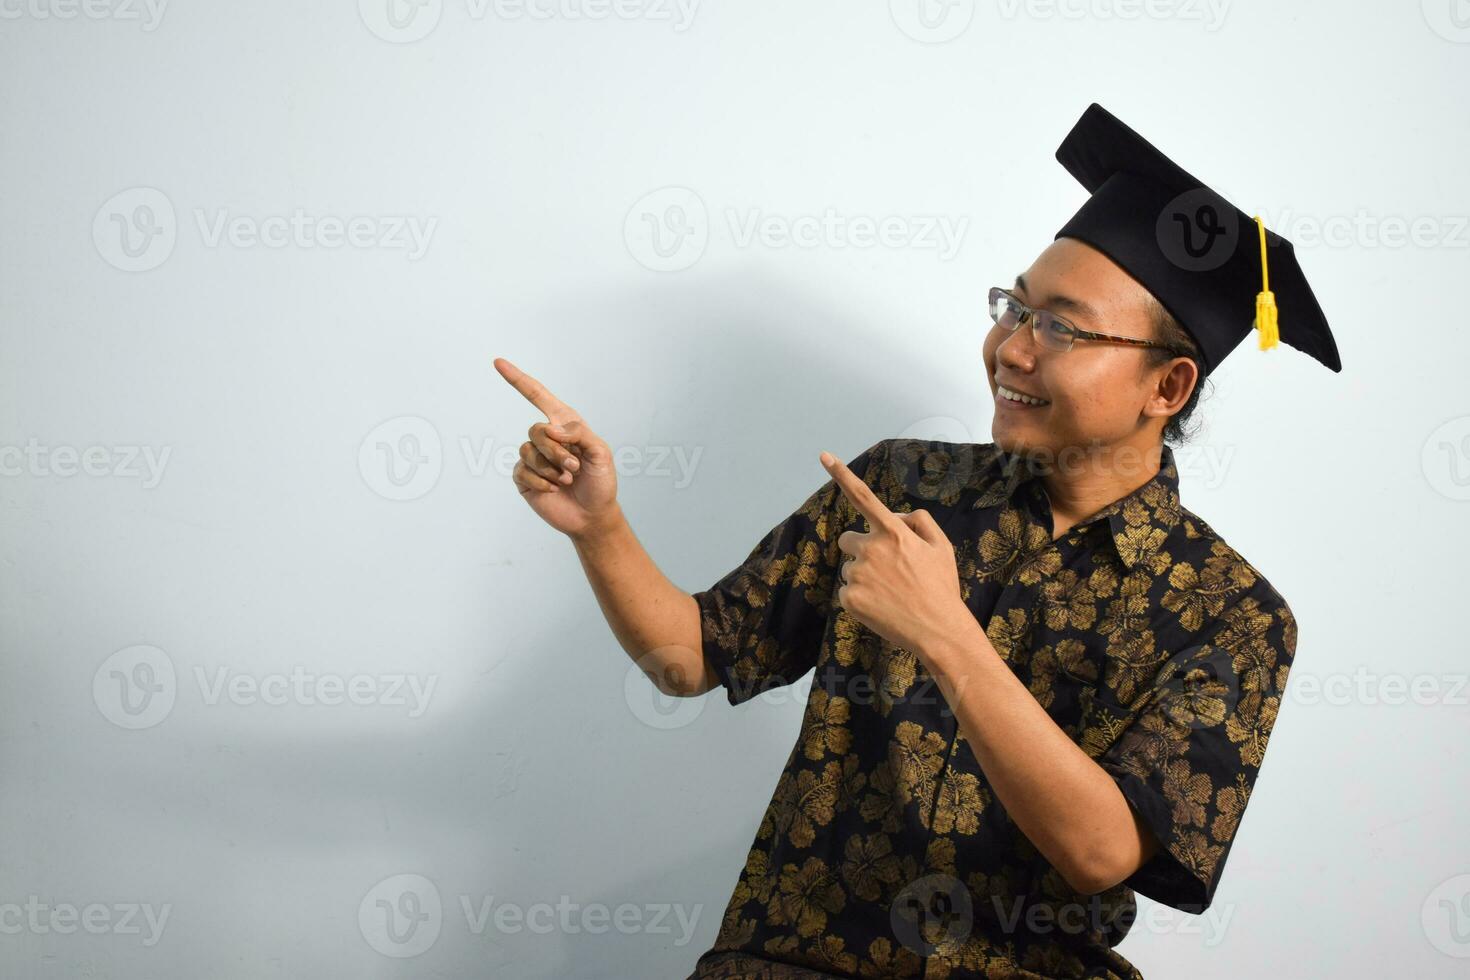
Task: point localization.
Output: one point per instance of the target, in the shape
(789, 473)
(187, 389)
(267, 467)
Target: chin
(1018, 442)
(1011, 442)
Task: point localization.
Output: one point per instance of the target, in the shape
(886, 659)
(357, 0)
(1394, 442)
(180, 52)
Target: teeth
(1016, 396)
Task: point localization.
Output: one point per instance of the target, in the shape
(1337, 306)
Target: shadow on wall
(536, 782)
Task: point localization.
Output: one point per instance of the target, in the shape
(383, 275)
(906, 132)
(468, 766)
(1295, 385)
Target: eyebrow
(1076, 306)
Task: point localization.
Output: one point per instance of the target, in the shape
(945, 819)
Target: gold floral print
(805, 896)
(961, 801)
(1150, 642)
(1069, 600)
(869, 865)
(804, 801)
(916, 756)
(829, 731)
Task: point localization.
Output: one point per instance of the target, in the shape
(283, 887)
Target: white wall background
(268, 385)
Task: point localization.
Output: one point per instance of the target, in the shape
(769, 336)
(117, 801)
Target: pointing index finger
(536, 393)
(863, 499)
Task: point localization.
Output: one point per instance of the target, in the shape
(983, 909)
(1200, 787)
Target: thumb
(925, 526)
(576, 433)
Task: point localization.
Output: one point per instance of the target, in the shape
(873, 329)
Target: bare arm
(1067, 804)
(566, 475)
(656, 622)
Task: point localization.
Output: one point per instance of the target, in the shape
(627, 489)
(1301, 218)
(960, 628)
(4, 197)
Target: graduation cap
(1199, 255)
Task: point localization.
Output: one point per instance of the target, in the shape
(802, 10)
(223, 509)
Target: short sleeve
(1189, 759)
(762, 623)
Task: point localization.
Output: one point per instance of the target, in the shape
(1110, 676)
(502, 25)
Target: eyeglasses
(1052, 331)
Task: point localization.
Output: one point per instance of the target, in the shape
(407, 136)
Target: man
(1041, 683)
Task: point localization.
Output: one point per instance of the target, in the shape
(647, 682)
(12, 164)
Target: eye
(1005, 311)
(1054, 333)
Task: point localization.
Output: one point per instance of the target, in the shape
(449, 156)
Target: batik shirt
(1155, 646)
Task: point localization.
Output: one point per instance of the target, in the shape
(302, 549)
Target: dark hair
(1168, 331)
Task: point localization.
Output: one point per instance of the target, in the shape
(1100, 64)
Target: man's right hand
(565, 471)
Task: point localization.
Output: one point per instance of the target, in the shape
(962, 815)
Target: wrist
(958, 638)
(602, 528)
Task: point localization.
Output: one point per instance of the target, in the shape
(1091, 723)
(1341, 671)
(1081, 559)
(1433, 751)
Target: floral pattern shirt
(884, 852)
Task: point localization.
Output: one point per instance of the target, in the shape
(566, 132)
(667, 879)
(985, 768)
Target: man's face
(1097, 393)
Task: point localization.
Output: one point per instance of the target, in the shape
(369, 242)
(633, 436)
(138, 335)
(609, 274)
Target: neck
(1084, 480)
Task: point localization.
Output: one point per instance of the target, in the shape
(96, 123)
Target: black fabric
(1158, 648)
(1198, 254)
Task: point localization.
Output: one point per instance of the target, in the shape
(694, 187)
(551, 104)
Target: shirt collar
(1139, 522)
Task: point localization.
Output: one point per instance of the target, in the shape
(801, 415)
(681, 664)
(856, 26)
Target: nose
(1018, 349)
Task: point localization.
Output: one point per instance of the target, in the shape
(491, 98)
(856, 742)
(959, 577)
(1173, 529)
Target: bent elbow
(1094, 873)
(677, 680)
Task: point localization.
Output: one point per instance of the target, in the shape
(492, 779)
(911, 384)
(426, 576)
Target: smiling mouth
(1017, 398)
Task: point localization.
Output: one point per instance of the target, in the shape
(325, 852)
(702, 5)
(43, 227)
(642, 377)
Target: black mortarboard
(1198, 254)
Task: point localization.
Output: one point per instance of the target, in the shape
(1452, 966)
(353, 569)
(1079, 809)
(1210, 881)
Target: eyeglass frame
(1033, 314)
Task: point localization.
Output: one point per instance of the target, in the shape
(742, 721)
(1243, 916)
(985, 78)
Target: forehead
(1080, 282)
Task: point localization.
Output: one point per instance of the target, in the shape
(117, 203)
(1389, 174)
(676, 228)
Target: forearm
(655, 621)
(1063, 801)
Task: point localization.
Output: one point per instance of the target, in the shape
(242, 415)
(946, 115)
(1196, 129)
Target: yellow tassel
(1266, 313)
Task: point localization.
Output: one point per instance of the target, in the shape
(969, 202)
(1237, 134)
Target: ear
(1176, 381)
